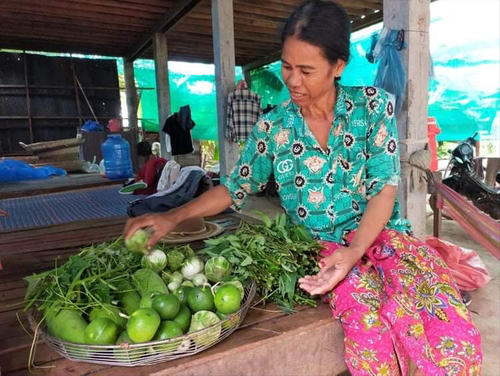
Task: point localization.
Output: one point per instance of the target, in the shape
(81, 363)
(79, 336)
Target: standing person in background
(334, 153)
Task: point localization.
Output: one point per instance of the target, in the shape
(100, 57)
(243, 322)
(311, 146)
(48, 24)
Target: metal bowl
(148, 353)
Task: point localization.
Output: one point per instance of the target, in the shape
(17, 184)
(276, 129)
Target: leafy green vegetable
(187, 251)
(201, 320)
(138, 241)
(217, 268)
(146, 281)
(192, 266)
(89, 279)
(156, 260)
(199, 279)
(274, 254)
(175, 259)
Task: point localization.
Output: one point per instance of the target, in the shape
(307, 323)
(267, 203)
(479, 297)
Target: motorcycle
(463, 179)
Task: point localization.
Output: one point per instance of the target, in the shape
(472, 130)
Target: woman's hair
(321, 23)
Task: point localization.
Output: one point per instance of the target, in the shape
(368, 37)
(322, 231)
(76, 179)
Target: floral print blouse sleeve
(253, 169)
(382, 166)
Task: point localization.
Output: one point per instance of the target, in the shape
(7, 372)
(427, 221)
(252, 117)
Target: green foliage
(175, 259)
(86, 280)
(274, 254)
(444, 149)
(147, 281)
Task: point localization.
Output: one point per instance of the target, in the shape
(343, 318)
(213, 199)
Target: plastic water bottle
(116, 154)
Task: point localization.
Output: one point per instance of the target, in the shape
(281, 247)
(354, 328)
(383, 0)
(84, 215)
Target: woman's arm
(382, 177)
(335, 267)
(377, 214)
(209, 203)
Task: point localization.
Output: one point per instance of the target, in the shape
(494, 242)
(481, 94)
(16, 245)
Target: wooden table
(269, 343)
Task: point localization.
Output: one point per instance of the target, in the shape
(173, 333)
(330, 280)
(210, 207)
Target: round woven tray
(149, 352)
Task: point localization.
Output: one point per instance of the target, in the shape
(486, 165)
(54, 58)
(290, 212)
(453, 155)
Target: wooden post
(247, 77)
(413, 17)
(77, 97)
(28, 97)
(131, 94)
(223, 43)
(436, 223)
(162, 86)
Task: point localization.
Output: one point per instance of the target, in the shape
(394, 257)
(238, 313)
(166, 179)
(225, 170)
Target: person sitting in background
(151, 170)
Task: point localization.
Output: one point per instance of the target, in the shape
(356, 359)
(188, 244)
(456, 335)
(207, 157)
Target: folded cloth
(182, 191)
(466, 267)
(169, 175)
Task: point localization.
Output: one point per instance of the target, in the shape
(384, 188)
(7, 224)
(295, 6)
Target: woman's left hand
(333, 270)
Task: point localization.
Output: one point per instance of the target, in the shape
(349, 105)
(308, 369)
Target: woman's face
(307, 72)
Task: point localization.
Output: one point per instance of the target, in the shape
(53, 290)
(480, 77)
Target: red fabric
(466, 267)
(150, 174)
(432, 131)
(481, 227)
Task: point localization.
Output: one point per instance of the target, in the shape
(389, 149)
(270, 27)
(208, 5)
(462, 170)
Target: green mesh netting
(192, 84)
(464, 95)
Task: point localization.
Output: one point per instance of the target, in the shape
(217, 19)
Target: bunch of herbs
(274, 254)
(90, 278)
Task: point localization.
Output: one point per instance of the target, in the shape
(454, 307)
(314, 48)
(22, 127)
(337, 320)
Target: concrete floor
(485, 305)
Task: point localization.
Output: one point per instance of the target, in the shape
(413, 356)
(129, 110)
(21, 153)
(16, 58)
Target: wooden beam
(412, 16)
(162, 86)
(263, 61)
(77, 96)
(28, 97)
(360, 4)
(131, 94)
(166, 23)
(132, 105)
(223, 43)
(358, 23)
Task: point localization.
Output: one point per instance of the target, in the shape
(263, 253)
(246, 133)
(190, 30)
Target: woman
(333, 152)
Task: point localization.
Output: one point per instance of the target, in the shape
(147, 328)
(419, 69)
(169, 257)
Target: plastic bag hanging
(391, 74)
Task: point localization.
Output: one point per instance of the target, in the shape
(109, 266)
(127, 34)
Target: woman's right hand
(160, 223)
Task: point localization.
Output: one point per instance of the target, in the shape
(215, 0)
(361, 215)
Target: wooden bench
(270, 342)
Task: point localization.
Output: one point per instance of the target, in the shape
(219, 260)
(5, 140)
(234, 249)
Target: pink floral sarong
(399, 303)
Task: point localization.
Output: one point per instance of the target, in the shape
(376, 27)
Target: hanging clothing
(243, 110)
(178, 126)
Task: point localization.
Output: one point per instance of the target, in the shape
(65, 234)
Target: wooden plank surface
(268, 339)
(54, 184)
(259, 335)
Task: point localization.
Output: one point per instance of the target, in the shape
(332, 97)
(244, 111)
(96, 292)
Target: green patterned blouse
(325, 190)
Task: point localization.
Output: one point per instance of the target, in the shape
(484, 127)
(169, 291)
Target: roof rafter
(166, 23)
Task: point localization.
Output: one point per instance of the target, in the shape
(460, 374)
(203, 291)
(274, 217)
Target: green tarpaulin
(464, 94)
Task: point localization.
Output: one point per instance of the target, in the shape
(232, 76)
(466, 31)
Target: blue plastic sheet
(92, 126)
(14, 170)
